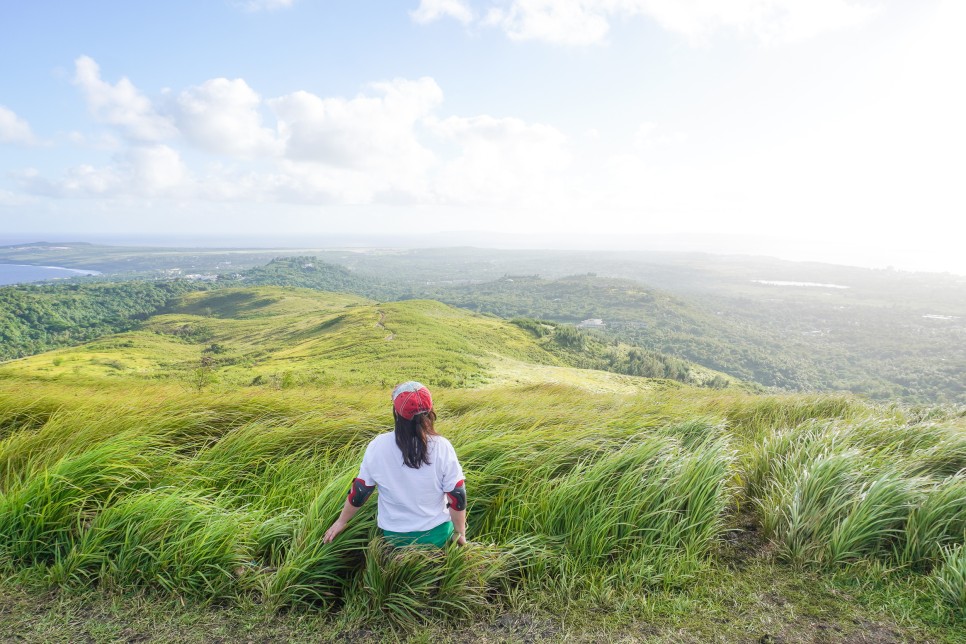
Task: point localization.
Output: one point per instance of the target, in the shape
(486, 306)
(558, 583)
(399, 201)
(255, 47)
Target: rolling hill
(174, 482)
(280, 337)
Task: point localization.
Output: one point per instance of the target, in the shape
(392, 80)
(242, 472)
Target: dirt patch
(804, 632)
(517, 627)
(744, 541)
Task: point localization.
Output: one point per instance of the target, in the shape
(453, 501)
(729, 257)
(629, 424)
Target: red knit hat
(411, 398)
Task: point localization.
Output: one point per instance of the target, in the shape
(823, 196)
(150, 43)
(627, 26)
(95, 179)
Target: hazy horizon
(713, 245)
(815, 131)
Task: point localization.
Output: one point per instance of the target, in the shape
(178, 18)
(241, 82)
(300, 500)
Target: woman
(422, 495)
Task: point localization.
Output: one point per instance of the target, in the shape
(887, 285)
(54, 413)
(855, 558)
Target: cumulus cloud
(501, 161)
(120, 105)
(14, 129)
(143, 170)
(385, 145)
(585, 22)
(375, 135)
(431, 10)
(566, 22)
(156, 169)
(222, 116)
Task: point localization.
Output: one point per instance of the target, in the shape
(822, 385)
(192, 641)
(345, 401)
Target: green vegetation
(280, 338)
(794, 341)
(201, 458)
(621, 519)
(884, 334)
(188, 442)
(831, 495)
(309, 272)
(38, 318)
(594, 350)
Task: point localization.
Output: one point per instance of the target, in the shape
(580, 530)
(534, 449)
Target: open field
(190, 468)
(885, 334)
(674, 514)
(283, 337)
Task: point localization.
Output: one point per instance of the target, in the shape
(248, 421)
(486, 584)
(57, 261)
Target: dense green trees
(593, 350)
(39, 317)
(36, 318)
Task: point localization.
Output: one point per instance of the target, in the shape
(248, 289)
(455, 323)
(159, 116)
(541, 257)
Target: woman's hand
(334, 530)
(348, 511)
(458, 517)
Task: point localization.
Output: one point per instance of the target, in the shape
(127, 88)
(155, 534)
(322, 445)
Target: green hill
(668, 515)
(831, 341)
(281, 337)
(175, 481)
(39, 317)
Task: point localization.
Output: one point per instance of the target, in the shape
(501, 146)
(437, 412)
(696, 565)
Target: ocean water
(21, 273)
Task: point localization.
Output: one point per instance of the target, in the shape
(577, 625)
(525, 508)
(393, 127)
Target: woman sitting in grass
(422, 496)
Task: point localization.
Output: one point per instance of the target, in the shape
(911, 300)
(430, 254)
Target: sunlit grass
(225, 494)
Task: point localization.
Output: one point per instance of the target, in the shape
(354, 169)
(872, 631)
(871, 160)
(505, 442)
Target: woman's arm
(458, 517)
(359, 492)
(348, 511)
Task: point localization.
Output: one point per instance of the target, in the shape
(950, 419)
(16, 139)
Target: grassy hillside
(674, 514)
(781, 337)
(284, 337)
(197, 461)
(37, 318)
(885, 334)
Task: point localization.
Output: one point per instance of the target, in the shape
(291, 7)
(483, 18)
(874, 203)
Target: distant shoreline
(11, 274)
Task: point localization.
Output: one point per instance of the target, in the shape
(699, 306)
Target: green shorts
(437, 536)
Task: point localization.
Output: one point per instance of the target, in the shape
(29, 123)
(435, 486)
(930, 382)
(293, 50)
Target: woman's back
(410, 499)
(422, 495)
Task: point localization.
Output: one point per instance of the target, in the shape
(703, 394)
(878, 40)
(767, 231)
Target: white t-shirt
(410, 499)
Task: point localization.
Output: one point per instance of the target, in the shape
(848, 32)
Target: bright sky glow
(807, 129)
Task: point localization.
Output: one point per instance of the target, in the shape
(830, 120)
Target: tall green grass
(950, 579)
(219, 496)
(832, 494)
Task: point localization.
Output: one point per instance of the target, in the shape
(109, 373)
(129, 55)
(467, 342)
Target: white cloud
(386, 145)
(156, 169)
(142, 171)
(84, 180)
(431, 10)
(263, 5)
(8, 198)
(644, 133)
(120, 105)
(356, 150)
(566, 22)
(14, 129)
(585, 22)
(222, 116)
(502, 161)
(374, 136)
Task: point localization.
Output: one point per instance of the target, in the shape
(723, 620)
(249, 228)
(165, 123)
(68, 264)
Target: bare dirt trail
(381, 323)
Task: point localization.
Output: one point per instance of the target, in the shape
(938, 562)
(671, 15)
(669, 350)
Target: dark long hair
(412, 437)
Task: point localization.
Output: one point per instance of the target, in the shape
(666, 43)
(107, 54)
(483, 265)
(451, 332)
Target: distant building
(593, 323)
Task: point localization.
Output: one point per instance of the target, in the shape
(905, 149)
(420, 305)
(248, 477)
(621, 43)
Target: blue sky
(809, 129)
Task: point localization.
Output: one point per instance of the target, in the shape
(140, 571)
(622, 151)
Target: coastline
(12, 274)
